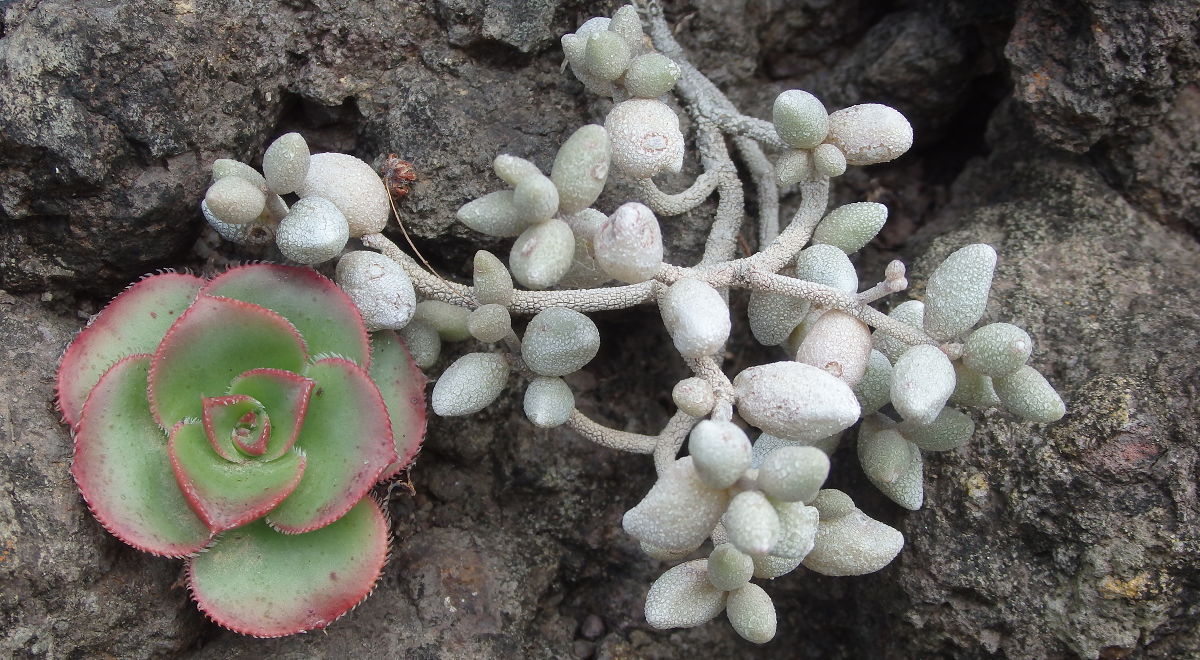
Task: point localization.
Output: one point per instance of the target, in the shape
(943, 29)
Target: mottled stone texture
(1063, 133)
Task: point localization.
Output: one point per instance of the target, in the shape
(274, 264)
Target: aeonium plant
(241, 423)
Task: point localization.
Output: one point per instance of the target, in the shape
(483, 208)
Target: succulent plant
(240, 423)
(901, 377)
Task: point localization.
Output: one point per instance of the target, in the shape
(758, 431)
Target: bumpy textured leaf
(285, 396)
(893, 464)
(679, 512)
(957, 292)
(848, 541)
(323, 314)
(134, 322)
(922, 381)
(215, 340)
(259, 582)
(348, 441)
(227, 494)
(683, 597)
(122, 468)
(402, 386)
(752, 613)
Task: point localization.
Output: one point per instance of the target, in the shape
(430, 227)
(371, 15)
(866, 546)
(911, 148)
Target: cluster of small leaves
(241, 423)
(761, 504)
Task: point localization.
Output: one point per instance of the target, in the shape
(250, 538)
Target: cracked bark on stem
(431, 287)
(763, 174)
(636, 443)
(666, 204)
(671, 438)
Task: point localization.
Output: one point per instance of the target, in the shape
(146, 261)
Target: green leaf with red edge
(256, 581)
(212, 342)
(223, 493)
(325, 316)
(225, 418)
(134, 322)
(402, 386)
(123, 471)
(348, 440)
(284, 395)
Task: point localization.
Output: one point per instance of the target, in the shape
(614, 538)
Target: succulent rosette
(241, 423)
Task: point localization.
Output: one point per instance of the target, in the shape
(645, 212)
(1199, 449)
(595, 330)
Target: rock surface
(1061, 133)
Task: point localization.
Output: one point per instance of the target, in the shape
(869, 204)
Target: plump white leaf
(696, 317)
(957, 292)
(795, 401)
(683, 597)
(1027, 394)
(922, 381)
(721, 452)
(752, 614)
(470, 384)
(679, 512)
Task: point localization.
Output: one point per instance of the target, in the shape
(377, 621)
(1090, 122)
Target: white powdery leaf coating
(911, 312)
(797, 530)
(694, 396)
(828, 265)
(922, 381)
(973, 389)
(893, 464)
(285, 163)
(585, 273)
(729, 568)
(542, 254)
(581, 168)
(839, 344)
(246, 233)
(379, 288)
(235, 200)
(662, 554)
(353, 186)
(769, 567)
(470, 384)
(606, 56)
(548, 402)
(696, 317)
(514, 169)
(575, 44)
(795, 401)
(794, 167)
(223, 167)
(423, 342)
(450, 321)
(645, 138)
(793, 474)
(683, 598)
(491, 280)
(751, 522)
(752, 614)
(874, 390)
(679, 512)
(852, 544)
(851, 226)
(314, 230)
(1027, 394)
(870, 133)
(773, 316)
(832, 503)
(493, 214)
(997, 349)
(957, 292)
(951, 430)
(766, 443)
(536, 199)
(559, 341)
(626, 22)
(651, 75)
(800, 119)
(828, 160)
(720, 452)
(629, 246)
(489, 323)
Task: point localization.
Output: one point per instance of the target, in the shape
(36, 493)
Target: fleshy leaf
(402, 386)
(227, 494)
(215, 340)
(134, 322)
(285, 396)
(227, 418)
(257, 581)
(348, 440)
(122, 468)
(325, 316)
